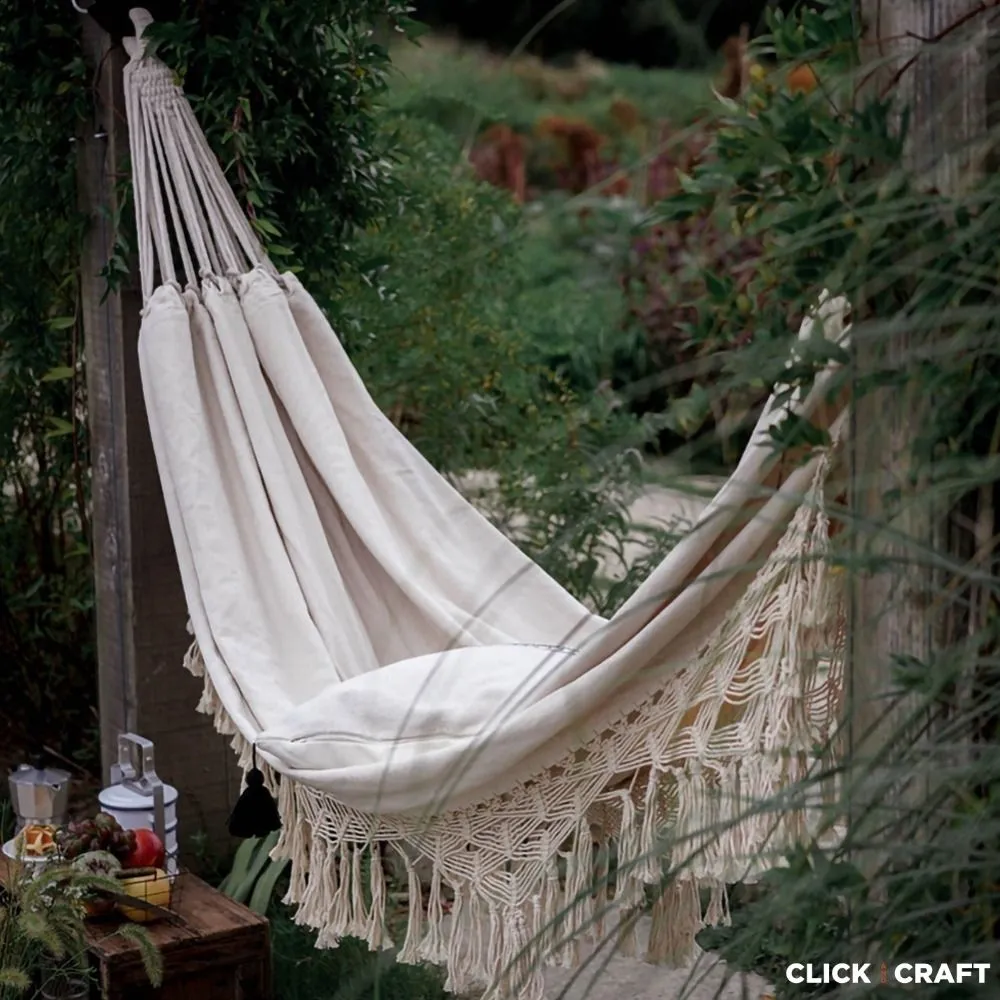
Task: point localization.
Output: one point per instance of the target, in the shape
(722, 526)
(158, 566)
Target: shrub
(287, 95)
(45, 580)
(675, 273)
(446, 327)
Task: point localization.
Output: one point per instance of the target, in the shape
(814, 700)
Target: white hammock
(409, 676)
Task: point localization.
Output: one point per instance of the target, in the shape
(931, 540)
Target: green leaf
(688, 415)
(413, 29)
(719, 287)
(260, 898)
(59, 427)
(241, 865)
(795, 431)
(241, 891)
(58, 374)
(62, 322)
(267, 228)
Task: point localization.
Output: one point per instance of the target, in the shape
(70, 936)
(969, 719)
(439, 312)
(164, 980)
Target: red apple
(147, 853)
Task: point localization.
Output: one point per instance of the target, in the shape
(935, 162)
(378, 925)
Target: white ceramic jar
(131, 796)
(134, 811)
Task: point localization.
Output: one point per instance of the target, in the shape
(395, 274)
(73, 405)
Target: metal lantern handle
(136, 770)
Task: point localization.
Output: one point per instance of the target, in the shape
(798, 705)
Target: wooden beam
(934, 55)
(141, 613)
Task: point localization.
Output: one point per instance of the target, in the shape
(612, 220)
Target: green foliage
(833, 210)
(286, 94)
(424, 321)
(45, 583)
(573, 307)
(822, 183)
(255, 875)
(460, 88)
(348, 972)
(451, 329)
(931, 898)
(462, 298)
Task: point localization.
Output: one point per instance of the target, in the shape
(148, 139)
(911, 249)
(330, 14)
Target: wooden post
(934, 54)
(141, 613)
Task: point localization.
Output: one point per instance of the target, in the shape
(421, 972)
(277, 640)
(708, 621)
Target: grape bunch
(101, 833)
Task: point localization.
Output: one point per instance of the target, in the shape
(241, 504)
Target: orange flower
(801, 79)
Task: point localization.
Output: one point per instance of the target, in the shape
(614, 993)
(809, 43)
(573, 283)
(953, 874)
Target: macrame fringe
(504, 902)
(676, 920)
(338, 888)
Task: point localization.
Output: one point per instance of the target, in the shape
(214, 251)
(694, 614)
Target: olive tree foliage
(286, 94)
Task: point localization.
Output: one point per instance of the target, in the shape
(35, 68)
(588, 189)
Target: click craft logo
(903, 973)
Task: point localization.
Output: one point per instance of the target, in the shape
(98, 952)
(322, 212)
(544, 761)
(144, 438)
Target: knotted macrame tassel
(255, 813)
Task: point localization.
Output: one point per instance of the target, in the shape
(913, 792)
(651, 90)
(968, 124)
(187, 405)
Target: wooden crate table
(223, 952)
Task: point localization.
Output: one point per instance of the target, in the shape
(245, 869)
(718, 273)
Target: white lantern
(138, 799)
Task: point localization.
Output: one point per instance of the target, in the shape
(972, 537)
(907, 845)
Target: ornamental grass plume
(43, 929)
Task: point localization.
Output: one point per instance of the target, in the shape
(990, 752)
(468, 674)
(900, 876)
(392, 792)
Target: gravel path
(656, 506)
(618, 978)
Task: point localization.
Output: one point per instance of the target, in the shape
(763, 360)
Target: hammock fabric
(418, 688)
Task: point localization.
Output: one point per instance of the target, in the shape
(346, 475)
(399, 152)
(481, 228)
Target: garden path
(614, 977)
(673, 502)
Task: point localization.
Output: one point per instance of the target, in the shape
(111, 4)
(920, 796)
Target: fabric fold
(412, 679)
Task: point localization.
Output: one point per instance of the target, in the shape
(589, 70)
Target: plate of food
(35, 844)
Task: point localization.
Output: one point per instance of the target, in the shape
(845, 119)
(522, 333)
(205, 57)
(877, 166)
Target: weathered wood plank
(208, 915)
(141, 613)
(222, 951)
(934, 56)
(103, 320)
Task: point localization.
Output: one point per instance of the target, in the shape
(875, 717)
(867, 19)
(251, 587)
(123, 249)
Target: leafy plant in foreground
(42, 930)
(254, 875)
(823, 185)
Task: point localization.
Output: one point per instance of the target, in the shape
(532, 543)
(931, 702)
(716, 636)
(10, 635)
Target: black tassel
(255, 813)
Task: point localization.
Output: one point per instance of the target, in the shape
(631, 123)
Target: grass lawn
(465, 82)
